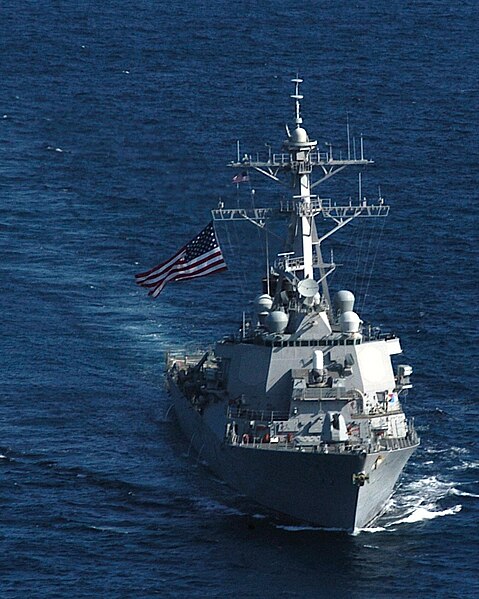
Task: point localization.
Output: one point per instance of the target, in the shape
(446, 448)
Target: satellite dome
(299, 135)
(263, 303)
(349, 322)
(308, 287)
(343, 301)
(276, 321)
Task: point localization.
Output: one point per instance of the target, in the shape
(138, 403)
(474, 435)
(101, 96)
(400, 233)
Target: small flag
(200, 257)
(241, 177)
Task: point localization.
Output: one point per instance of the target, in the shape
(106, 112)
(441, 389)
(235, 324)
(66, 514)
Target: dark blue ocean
(116, 122)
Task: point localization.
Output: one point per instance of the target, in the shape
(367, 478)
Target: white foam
(115, 529)
(465, 465)
(371, 529)
(460, 493)
(420, 514)
(417, 501)
(424, 490)
(459, 450)
(430, 486)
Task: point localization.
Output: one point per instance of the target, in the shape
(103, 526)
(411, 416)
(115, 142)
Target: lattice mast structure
(299, 159)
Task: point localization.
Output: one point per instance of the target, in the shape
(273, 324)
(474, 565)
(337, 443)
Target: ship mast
(300, 147)
(298, 159)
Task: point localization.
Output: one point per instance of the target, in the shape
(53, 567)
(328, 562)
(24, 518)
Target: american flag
(241, 178)
(200, 257)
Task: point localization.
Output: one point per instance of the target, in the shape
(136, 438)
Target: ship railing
(375, 334)
(388, 444)
(182, 358)
(315, 204)
(316, 393)
(335, 211)
(282, 159)
(285, 160)
(332, 448)
(294, 263)
(281, 445)
(278, 159)
(409, 440)
(239, 413)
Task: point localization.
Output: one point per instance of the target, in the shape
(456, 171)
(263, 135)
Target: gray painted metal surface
(301, 410)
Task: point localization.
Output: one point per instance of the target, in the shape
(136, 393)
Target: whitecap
(465, 465)
(460, 450)
(421, 513)
(416, 500)
(372, 529)
(460, 493)
(430, 488)
(115, 529)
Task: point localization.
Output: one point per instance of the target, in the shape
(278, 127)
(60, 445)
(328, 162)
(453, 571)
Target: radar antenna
(297, 97)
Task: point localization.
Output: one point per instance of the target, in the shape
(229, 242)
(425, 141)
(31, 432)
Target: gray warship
(300, 410)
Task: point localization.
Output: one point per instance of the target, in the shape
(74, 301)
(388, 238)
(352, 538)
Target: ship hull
(315, 488)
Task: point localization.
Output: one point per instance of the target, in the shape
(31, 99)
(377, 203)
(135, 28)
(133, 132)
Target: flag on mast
(240, 178)
(200, 257)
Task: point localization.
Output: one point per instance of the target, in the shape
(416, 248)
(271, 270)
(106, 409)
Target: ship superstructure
(301, 410)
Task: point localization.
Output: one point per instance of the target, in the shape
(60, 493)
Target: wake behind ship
(300, 410)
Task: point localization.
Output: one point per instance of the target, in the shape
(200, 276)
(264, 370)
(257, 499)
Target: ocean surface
(117, 120)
